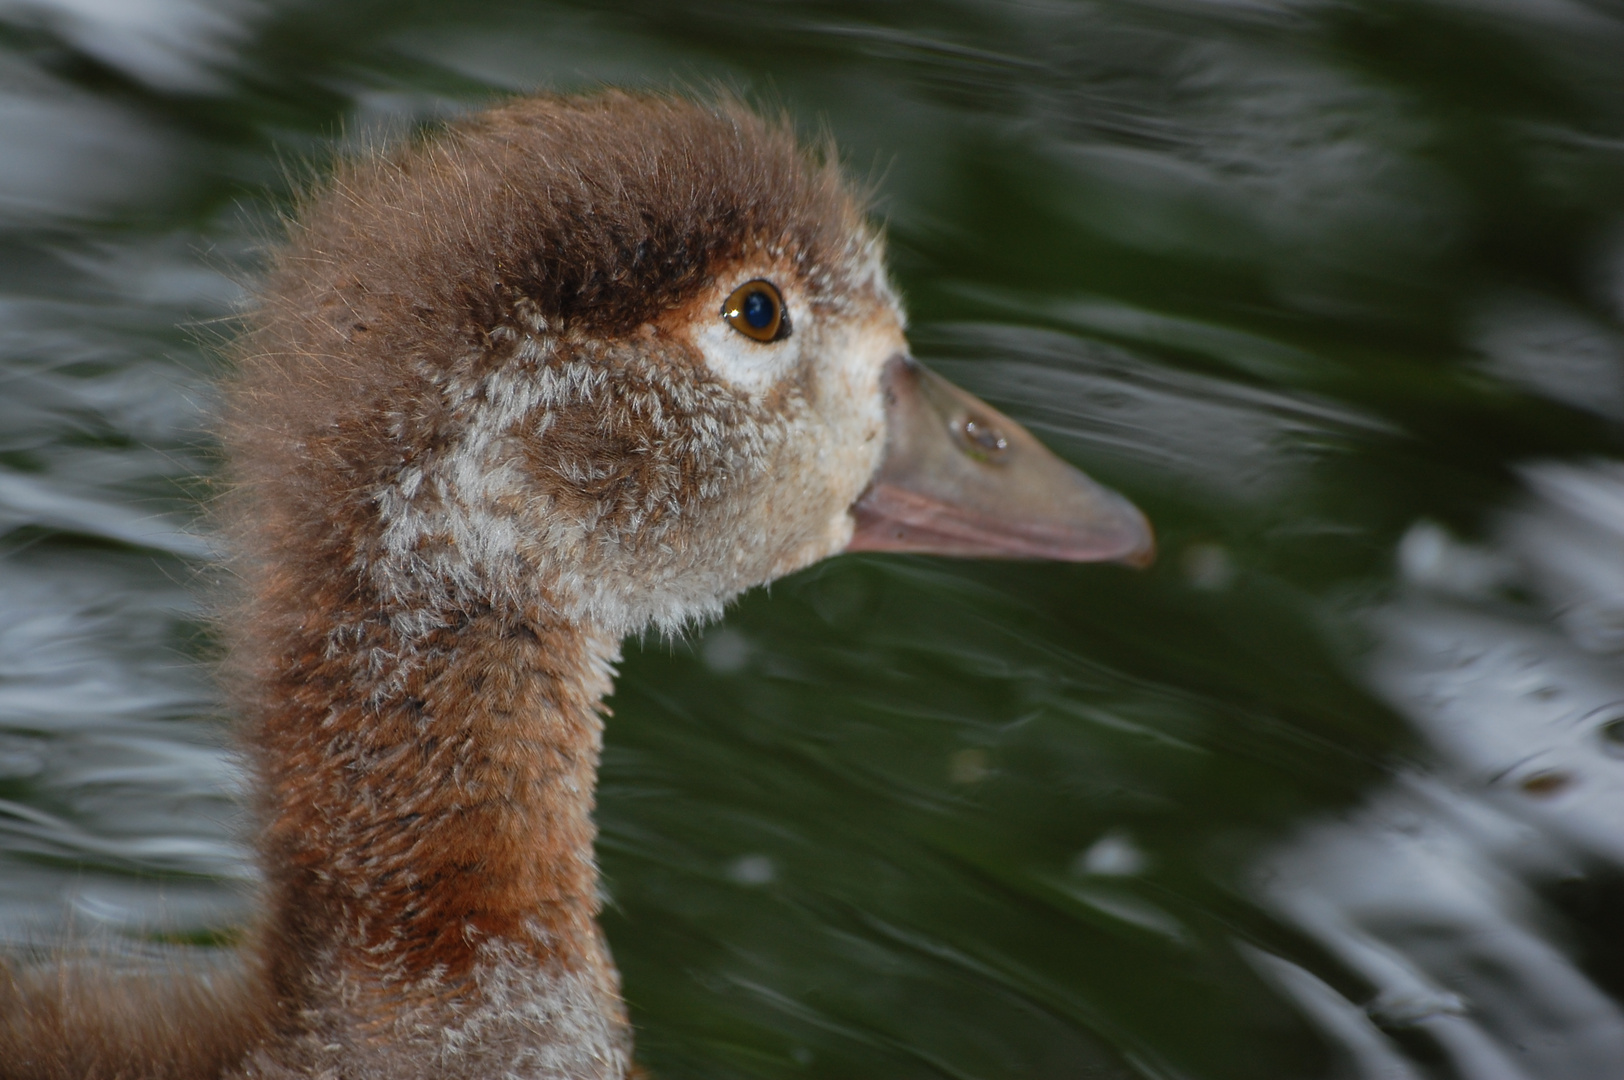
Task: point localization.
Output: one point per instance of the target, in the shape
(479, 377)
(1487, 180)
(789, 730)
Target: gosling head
(617, 358)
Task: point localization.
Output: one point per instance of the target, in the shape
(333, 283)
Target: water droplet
(1208, 566)
(752, 870)
(726, 652)
(967, 766)
(1112, 855)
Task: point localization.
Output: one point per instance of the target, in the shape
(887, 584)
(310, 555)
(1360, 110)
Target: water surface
(1335, 291)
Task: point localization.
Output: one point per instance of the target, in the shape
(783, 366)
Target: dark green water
(1335, 291)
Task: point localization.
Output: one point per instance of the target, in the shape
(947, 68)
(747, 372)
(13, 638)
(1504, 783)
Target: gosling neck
(426, 787)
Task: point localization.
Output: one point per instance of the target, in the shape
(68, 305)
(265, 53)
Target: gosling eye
(756, 310)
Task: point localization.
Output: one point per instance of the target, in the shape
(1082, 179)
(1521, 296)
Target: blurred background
(1334, 289)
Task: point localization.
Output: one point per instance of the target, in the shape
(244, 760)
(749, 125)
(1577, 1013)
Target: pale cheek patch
(851, 405)
(834, 445)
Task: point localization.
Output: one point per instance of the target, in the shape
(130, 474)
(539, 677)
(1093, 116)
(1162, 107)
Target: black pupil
(759, 310)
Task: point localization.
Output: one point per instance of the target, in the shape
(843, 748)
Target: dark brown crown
(595, 212)
(550, 233)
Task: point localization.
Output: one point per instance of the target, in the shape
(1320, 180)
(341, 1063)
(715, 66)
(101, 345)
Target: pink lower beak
(961, 478)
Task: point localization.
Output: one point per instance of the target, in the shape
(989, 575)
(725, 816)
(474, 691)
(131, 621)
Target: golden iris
(756, 310)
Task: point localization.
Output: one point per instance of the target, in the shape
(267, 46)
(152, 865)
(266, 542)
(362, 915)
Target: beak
(961, 478)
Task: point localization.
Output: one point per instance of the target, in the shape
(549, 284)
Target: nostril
(980, 439)
(985, 436)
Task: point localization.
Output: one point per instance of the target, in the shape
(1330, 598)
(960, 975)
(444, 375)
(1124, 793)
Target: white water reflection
(1571, 550)
(1217, 438)
(84, 156)
(77, 154)
(173, 45)
(126, 782)
(1556, 350)
(1426, 892)
(119, 811)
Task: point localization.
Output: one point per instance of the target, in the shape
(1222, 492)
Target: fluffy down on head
(489, 368)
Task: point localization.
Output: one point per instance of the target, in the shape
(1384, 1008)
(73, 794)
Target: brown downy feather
(69, 1019)
(472, 449)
